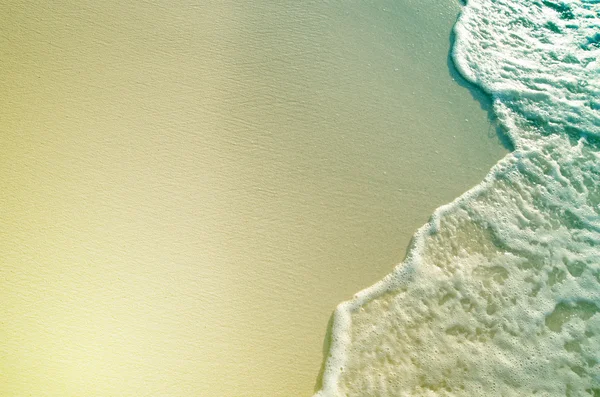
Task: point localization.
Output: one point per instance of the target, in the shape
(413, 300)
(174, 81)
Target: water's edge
(338, 327)
(510, 270)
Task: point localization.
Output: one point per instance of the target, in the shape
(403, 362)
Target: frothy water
(500, 292)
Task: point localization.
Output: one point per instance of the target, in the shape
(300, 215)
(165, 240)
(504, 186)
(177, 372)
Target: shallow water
(500, 293)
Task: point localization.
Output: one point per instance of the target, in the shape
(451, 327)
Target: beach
(188, 191)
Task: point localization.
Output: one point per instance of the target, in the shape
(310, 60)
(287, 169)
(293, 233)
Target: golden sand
(187, 191)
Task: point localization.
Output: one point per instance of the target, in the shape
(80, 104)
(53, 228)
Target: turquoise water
(500, 292)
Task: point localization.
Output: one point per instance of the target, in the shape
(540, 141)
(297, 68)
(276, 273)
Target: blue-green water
(500, 293)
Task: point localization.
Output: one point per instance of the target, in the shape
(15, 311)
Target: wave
(500, 292)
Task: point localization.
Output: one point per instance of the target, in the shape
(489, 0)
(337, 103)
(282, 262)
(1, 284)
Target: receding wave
(500, 291)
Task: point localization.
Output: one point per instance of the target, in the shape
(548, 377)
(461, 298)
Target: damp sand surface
(187, 191)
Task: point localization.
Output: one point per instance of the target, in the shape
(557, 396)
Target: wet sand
(187, 192)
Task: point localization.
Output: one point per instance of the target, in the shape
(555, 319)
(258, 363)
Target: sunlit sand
(187, 192)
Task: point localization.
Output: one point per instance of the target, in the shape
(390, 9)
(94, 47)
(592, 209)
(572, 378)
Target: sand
(187, 191)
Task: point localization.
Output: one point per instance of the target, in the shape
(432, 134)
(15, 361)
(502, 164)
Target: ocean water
(500, 292)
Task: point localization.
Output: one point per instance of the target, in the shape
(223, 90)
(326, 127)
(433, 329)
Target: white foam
(500, 292)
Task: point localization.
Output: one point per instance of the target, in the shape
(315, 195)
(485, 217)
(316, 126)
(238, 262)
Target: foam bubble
(500, 292)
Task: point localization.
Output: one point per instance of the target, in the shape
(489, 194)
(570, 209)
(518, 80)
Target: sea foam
(500, 292)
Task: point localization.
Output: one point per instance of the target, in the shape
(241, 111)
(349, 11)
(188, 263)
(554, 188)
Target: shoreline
(478, 296)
